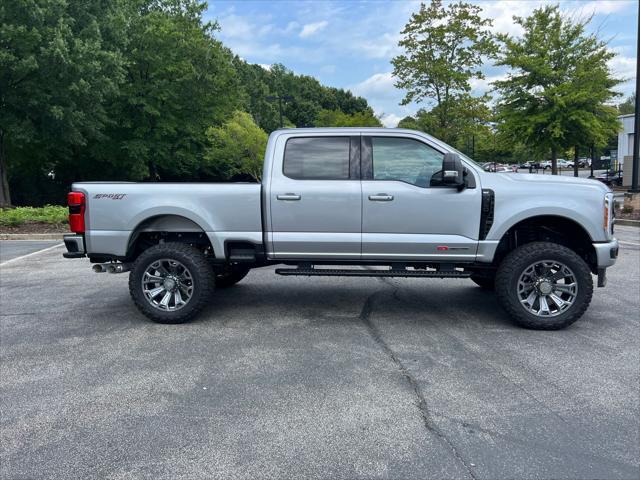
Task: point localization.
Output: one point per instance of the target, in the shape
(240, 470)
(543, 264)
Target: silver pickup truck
(354, 202)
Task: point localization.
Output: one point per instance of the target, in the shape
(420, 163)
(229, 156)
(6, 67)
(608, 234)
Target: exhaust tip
(112, 269)
(98, 268)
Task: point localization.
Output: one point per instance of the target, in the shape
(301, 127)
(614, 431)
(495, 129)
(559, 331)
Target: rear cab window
(317, 158)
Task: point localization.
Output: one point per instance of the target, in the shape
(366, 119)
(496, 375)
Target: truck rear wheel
(230, 276)
(544, 286)
(171, 282)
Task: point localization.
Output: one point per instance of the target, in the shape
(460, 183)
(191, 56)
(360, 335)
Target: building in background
(625, 147)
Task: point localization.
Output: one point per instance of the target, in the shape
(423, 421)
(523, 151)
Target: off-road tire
(486, 282)
(518, 260)
(201, 271)
(230, 277)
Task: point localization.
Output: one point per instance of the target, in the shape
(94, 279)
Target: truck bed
(221, 210)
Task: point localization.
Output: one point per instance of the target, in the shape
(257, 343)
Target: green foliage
(628, 106)
(467, 118)
(336, 118)
(57, 70)
(126, 90)
(236, 148)
(556, 95)
(308, 97)
(444, 49)
(48, 214)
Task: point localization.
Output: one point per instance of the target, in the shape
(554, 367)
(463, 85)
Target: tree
(336, 118)
(236, 148)
(444, 49)
(628, 106)
(467, 119)
(556, 95)
(179, 81)
(57, 71)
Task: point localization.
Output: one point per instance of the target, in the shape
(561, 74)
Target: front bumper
(606, 253)
(75, 246)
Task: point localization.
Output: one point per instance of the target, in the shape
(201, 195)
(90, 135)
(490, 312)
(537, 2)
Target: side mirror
(452, 171)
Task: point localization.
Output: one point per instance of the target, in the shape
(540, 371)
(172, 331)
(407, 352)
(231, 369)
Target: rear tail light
(76, 202)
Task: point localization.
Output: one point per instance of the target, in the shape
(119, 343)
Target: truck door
(404, 217)
(315, 197)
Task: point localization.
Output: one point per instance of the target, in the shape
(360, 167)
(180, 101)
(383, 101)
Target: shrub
(51, 214)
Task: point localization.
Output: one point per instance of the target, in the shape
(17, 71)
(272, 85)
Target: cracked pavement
(286, 377)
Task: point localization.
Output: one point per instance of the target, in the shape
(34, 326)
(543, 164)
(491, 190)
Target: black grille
(486, 215)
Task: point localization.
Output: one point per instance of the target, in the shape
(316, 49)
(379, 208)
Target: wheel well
(167, 228)
(548, 228)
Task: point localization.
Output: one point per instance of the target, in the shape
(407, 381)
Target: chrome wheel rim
(167, 285)
(547, 288)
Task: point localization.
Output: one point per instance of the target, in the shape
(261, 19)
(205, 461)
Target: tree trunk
(5, 195)
(576, 157)
(554, 161)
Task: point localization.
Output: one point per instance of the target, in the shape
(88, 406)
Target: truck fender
(499, 229)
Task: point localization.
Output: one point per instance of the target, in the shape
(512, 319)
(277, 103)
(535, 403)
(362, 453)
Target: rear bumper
(75, 246)
(606, 253)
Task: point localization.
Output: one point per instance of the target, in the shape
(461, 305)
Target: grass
(50, 214)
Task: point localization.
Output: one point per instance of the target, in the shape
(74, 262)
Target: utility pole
(280, 98)
(636, 120)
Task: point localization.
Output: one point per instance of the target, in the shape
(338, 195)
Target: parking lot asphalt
(313, 378)
(10, 249)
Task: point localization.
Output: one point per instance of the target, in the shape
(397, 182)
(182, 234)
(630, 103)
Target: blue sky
(349, 44)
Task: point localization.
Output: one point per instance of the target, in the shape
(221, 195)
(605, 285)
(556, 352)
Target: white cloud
(384, 46)
(378, 84)
(623, 67)
(383, 97)
(311, 29)
(291, 26)
(390, 120)
(480, 86)
(234, 26)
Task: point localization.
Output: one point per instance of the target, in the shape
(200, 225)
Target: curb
(628, 223)
(31, 236)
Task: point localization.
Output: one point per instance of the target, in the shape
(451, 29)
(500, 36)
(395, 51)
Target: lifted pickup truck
(357, 202)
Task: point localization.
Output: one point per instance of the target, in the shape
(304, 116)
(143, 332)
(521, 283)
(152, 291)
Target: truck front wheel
(544, 286)
(171, 282)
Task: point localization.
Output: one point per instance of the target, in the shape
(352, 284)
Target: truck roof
(342, 129)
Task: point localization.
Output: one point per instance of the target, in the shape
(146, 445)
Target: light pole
(280, 98)
(636, 119)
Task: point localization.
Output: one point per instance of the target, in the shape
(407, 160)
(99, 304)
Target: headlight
(608, 214)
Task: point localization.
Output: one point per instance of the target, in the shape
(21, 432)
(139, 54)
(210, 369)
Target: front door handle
(381, 197)
(289, 196)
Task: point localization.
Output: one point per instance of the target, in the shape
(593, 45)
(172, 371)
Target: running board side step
(331, 272)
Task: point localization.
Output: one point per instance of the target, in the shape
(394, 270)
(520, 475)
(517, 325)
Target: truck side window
(405, 160)
(317, 158)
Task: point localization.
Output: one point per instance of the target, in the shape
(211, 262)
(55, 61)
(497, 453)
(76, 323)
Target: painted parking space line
(623, 242)
(32, 254)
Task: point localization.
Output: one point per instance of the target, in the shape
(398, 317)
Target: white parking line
(31, 254)
(628, 243)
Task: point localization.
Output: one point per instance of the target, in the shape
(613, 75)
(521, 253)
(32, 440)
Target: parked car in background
(581, 163)
(610, 178)
(499, 167)
(560, 162)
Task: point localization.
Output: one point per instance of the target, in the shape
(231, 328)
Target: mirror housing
(452, 171)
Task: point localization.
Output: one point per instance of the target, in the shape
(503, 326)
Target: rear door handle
(289, 196)
(381, 197)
